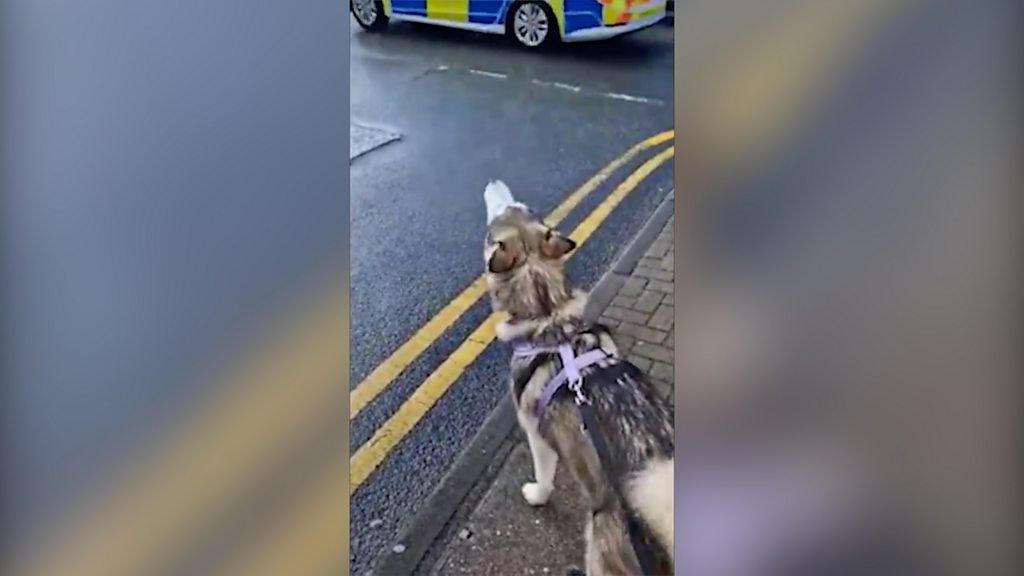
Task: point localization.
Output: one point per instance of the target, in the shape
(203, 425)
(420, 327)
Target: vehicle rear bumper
(603, 32)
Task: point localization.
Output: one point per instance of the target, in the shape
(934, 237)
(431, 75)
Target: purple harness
(570, 373)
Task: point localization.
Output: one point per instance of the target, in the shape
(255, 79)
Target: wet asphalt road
(469, 108)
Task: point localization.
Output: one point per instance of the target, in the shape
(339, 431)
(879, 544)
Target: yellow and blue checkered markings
(475, 11)
(572, 15)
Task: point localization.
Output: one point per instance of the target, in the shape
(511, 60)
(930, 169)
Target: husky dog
(525, 277)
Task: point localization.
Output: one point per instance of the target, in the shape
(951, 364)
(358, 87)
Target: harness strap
(640, 545)
(571, 366)
(570, 372)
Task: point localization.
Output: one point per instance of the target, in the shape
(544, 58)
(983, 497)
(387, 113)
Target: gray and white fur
(525, 275)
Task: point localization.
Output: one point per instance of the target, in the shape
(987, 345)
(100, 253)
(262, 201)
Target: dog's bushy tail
(651, 493)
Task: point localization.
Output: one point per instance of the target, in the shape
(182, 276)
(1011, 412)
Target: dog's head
(515, 237)
(523, 258)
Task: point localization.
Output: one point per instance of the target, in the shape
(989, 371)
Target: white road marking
(575, 89)
(488, 74)
(612, 95)
(629, 98)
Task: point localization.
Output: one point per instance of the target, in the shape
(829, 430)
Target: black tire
(380, 20)
(553, 33)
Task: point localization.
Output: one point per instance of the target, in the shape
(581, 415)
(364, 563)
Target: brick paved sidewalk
(503, 535)
(642, 314)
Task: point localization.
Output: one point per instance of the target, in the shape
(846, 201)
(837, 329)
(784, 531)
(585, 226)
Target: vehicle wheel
(369, 14)
(532, 24)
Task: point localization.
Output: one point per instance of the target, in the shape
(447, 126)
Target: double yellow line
(193, 478)
(386, 372)
(373, 452)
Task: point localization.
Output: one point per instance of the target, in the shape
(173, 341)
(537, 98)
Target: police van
(532, 23)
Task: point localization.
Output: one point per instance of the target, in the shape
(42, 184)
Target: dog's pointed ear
(498, 198)
(555, 245)
(500, 258)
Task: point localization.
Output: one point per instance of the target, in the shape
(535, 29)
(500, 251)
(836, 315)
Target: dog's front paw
(536, 494)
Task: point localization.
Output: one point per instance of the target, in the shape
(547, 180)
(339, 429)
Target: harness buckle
(576, 385)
